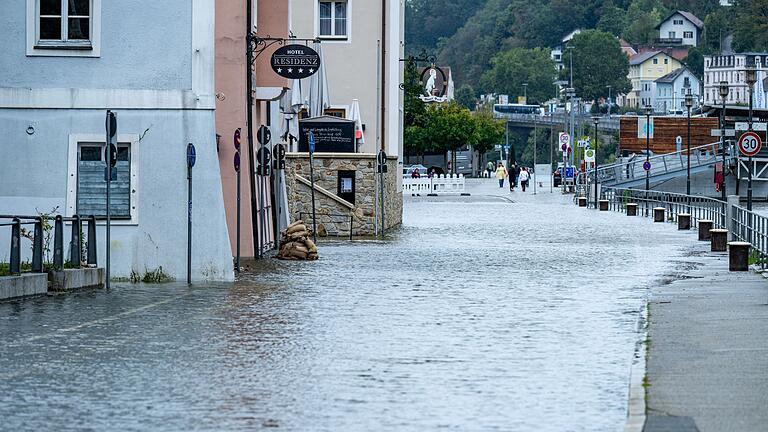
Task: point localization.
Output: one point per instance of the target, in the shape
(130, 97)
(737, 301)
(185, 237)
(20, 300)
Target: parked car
(409, 169)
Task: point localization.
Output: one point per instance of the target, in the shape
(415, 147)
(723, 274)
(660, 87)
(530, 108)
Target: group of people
(517, 175)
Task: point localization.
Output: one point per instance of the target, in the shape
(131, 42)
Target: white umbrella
(354, 115)
(318, 99)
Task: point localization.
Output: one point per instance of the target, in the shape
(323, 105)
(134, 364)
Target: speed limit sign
(750, 144)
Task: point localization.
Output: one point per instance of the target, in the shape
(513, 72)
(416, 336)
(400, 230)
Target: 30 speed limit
(750, 144)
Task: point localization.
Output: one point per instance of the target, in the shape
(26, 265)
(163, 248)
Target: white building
(730, 68)
(680, 28)
(64, 64)
(672, 88)
(557, 53)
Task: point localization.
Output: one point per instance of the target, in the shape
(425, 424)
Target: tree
(414, 113)
(510, 69)
(643, 16)
(695, 62)
(751, 30)
(466, 96)
(597, 63)
(717, 26)
(542, 145)
(449, 128)
(488, 132)
(428, 21)
(613, 20)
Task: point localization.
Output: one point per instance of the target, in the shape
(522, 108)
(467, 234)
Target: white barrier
(439, 184)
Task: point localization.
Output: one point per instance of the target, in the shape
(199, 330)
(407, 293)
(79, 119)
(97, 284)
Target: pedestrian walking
(501, 174)
(489, 169)
(514, 170)
(524, 178)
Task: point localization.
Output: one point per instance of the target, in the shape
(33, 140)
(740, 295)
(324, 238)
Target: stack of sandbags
(296, 244)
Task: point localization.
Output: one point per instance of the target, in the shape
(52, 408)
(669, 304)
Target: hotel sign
(295, 61)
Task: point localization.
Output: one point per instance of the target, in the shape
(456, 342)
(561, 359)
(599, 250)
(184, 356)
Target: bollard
(37, 247)
(704, 226)
(718, 240)
(684, 221)
(658, 214)
(58, 243)
(75, 253)
(92, 256)
(582, 201)
(15, 264)
(738, 256)
(603, 205)
(631, 209)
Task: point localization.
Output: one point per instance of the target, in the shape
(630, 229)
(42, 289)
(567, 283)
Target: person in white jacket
(524, 178)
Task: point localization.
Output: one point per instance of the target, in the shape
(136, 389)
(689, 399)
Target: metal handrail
(699, 207)
(750, 227)
(621, 172)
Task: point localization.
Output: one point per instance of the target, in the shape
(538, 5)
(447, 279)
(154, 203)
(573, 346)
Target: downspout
(383, 71)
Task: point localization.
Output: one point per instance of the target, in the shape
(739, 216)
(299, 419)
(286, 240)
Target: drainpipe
(383, 71)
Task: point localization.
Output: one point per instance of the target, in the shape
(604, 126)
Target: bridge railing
(38, 241)
(750, 227)
(699, 207)
(663, 164)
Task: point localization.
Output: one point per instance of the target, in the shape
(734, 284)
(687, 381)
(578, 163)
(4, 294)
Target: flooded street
(512, 312)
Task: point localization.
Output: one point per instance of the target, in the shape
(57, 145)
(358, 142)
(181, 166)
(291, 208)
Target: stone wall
(363, 213)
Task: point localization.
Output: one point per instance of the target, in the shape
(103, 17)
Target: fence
(334, 220)
(435, 185)
(742, 224)
(38, 246)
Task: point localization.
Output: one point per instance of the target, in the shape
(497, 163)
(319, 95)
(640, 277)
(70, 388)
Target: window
(688, 35)
(70, 28)
(336, 112)
(655, 61)
(686, 82)
(92, 186)
(333, 19)
(672, 35)
(677, 22)
(666, 61)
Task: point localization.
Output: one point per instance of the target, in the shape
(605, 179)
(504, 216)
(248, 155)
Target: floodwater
(510, 313)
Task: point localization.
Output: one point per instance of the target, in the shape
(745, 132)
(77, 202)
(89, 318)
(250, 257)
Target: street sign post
(111, 150)
(589, 155)
(756, 126)
(264, 135)
(718, 132)
(311, 140)
(381, 160)
(191, 159)
(565, 141)
(750, 144)
(236, 163)
(647, 165)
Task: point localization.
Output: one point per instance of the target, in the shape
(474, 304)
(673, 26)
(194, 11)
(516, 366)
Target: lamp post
(596, 119)
(570, 69)
(723, 94)
(688, 105)
(750, 76)
(609, 102)
(648, 111)
(570, 93)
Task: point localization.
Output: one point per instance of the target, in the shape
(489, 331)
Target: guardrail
(699, 207)
(661, 165)
(75, 249)
(750, 227)
(435, 185)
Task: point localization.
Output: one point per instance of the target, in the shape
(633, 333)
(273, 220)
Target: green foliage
(466, 96)
(613, 20)
(717, 26)
(598, 62)
(695, 62)
(750, 32)
(643, 16)
(429, 21)
(510, 69)
(488, 131)
(542, 144)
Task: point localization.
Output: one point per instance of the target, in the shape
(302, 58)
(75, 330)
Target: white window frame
(334, 38)
(63, 48)
(72, 164)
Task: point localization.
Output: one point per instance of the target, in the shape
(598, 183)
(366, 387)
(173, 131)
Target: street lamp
(689, 105)
(596, 119)
(723, 94)
(750, 76)
(570, 51)
(569, 94)
(609, 101)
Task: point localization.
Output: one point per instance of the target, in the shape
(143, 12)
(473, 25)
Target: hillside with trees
(474, 37)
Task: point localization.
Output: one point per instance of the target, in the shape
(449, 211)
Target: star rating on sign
(279, 70)
(290, 70)
(301, 70)
(311, 70)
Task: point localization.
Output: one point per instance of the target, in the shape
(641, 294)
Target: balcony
(668, 41)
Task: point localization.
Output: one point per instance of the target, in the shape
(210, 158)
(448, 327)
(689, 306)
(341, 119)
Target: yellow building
(644, 69)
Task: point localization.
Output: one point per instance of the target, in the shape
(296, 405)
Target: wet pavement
(510, 312)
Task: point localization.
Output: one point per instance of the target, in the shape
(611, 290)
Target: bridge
(605, 124)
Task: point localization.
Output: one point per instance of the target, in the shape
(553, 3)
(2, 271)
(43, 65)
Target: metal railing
(667, 164)
(38, 246)
(699, 207)
(307, 218)
(750, 227)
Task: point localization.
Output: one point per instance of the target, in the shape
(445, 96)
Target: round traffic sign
(264, 156)
(647, 165)
(264, 135)
(237, 161)
(191, 155)
(237, 139)
(750, 144)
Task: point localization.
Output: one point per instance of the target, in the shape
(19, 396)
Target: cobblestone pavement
(499, 311)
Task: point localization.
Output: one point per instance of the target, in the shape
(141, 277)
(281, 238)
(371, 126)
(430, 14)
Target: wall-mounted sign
(332, 134)
(435, 83)
(295, 61)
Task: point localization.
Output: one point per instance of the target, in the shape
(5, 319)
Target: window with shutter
(92, 185)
